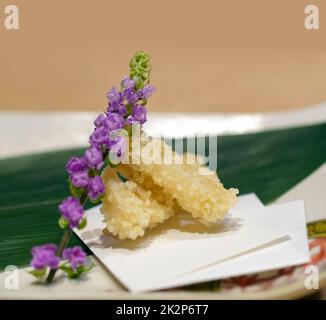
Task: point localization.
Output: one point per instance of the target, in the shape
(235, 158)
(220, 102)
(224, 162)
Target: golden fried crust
(129, 209)
(155, 191)
(202, 196)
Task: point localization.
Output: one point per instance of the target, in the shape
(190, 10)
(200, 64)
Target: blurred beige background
(207, 55)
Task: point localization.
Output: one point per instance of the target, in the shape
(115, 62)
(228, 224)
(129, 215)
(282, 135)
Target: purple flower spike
(72, 210)
(76, 256)
(45, 256)
(95, 188)
(75, 165)
(94, 158)
(80, 179)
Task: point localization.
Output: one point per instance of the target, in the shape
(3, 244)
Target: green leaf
(83, 224)
(85, 268)
(38, 273)
(68, 270)
(63, 222)
(72, 274)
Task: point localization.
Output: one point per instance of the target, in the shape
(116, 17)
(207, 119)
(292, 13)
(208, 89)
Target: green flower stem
(64, 241)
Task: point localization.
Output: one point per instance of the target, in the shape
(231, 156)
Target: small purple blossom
(114, 96)
(117, 108)
(138, 115)
(110, 121)
(94, 158)
(114, 121)
(72, 210)
(128, 83)
(146, 92)
(75, 165)
(100, 120)
(99, 137)
(80, 179)
(76, 256)
(45, 256)
(95, 188)
(131, 96)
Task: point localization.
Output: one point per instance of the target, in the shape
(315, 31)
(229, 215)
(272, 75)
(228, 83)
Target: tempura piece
(155, 191)
(130, 209)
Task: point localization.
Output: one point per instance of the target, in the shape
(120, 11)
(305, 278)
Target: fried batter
(155, 191)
